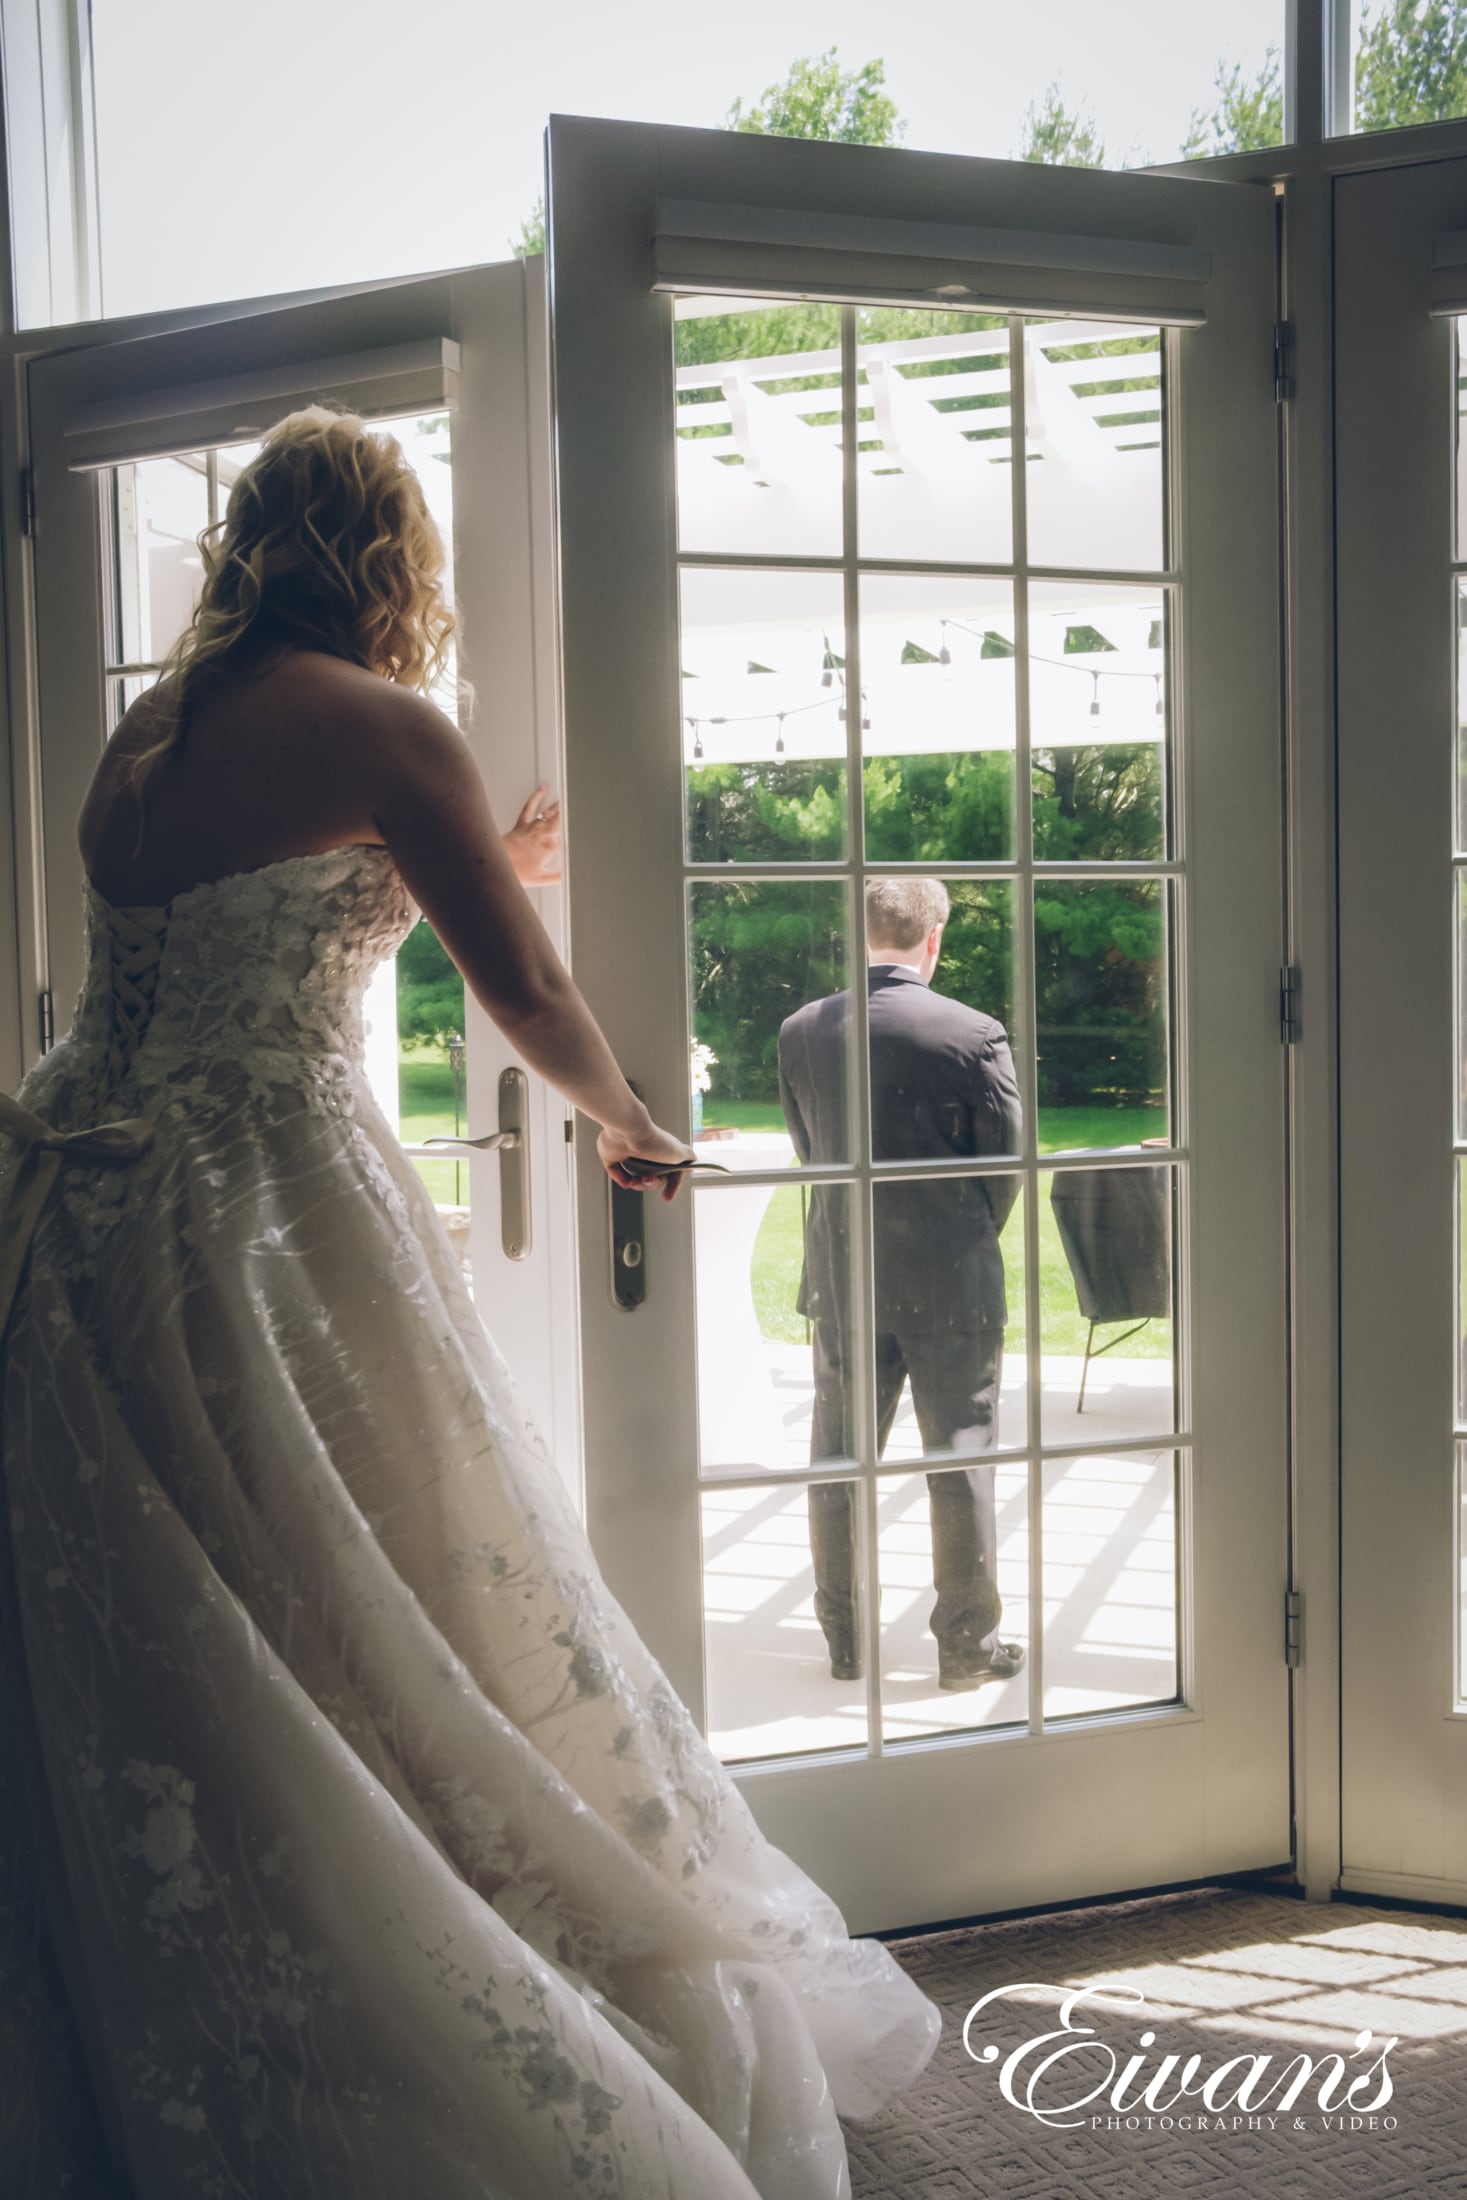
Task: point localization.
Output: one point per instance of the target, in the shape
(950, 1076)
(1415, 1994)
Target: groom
(942, 1085)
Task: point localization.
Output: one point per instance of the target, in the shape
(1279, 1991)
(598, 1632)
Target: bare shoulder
(359, 743)
(348, 712)
(300, 755)
(415, 774)
(415, 784)
(401, 736)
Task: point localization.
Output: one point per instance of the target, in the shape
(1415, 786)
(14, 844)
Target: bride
(352, 1843)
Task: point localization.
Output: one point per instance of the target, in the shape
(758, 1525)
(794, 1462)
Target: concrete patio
(1110, 1578)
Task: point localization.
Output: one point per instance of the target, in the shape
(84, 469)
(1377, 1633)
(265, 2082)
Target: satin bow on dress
(44, 1150)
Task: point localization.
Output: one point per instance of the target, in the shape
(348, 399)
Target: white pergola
(759, 474)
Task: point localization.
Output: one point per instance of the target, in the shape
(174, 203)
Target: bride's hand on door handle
(652, 1146)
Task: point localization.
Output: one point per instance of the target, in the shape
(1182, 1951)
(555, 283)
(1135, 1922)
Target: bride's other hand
(651, 1144)
(533, 842)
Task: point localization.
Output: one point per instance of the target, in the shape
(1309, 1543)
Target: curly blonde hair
(326, 543)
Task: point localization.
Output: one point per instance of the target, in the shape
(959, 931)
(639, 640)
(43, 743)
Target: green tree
(816, 98)
(758, 952)
(1060, 137)
(1411, 64)
(761, 949)
(1099, 945)
(430, 989)
(1249, 113)
(532, 232)
(819, 99)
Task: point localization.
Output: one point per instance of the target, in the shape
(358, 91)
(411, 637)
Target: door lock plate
(514, 1158)
(628, 1247)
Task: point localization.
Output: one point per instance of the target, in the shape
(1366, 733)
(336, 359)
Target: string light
(758, 718)
(944, 657)
(830, 666)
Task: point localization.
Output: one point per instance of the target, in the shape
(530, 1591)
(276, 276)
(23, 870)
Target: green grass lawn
(775, 1269)
(425, 1108)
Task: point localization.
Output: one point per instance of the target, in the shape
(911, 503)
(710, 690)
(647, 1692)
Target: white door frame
(1305, 175)
(1404, 1750)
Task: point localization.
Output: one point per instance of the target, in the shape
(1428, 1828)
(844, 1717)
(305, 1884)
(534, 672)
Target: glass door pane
(847, 1312)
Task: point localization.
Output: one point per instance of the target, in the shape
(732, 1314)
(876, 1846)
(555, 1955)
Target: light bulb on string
(1095, 695)
(827, 670)
(1160, 706)
(944, 654)
(697, 740)
(779, 737)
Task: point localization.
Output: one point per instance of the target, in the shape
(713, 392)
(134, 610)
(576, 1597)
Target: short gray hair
(900, 912)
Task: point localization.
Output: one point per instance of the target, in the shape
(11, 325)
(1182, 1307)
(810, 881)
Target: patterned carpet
(1225, 1973)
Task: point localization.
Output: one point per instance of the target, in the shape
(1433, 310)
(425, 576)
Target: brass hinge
(1291, 984)
(1293, 1627)
(1283, 361)
(27, 501)
(48, 1019)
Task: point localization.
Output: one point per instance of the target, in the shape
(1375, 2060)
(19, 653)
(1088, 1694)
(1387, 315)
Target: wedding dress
(352, 1846)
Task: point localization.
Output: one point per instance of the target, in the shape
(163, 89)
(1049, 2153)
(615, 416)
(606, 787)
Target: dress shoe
(847, 1666)
(1002, 1666)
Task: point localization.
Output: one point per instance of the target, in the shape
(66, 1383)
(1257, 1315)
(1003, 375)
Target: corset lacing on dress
(135, 937)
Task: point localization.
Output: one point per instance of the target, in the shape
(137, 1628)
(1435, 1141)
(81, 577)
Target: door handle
(512, 1143)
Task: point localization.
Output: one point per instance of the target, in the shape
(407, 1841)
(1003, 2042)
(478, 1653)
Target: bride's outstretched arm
(427, 798)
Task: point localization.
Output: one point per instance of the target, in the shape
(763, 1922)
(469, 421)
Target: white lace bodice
(271, 962)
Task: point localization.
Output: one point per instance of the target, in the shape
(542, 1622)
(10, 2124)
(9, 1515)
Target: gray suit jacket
(942, 1083)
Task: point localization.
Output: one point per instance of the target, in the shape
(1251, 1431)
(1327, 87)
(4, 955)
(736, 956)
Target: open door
(135, 443)
(820, 626)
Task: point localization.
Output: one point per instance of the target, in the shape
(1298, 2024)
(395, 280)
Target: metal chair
(1115, 1227)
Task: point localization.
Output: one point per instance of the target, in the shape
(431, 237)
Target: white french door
(819, 626)
(1401, 488)
(136, 438)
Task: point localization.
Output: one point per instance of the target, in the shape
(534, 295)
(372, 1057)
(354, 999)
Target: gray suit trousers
(955, 1381)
